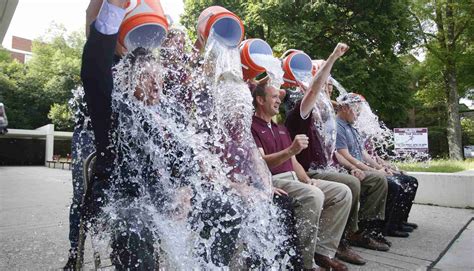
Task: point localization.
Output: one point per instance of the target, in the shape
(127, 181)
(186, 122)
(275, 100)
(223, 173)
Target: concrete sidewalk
(34, 206)
(468, 171)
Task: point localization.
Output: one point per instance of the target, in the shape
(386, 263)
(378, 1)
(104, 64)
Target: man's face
(149, 85)
(271, 102)
(350, 112)
(329, 88)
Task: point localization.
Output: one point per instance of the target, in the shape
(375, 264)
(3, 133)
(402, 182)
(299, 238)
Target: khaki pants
(320, 205)
(372, 192)
(373, 196)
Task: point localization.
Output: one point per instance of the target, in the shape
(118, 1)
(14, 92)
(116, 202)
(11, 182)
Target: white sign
(411, 139)
(469, 151)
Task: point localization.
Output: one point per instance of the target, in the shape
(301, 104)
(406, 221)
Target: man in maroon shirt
(321, 208)
(303, 119)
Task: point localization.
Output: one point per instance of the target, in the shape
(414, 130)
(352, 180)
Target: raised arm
(318, 81)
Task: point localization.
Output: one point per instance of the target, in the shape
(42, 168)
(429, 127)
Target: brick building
(21, 49)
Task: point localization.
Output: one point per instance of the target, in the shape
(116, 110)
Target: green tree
(378, 32)
(56, 63)
(61, 116)
(468, 131)
(446, 28)
(47, 79)
(4, 55)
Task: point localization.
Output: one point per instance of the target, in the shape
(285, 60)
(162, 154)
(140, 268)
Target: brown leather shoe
(379, 237)
(365, 241)
(346, 254)
(329, 263)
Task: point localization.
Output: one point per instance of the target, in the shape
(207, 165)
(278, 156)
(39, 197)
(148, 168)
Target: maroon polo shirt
(271, 141)
(313, 156)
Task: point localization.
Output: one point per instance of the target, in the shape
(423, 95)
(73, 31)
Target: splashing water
(339, 87)
(189, 180)
(376, 136)
(325, 121)
(272, 66)
(243, 164)
(302, 76)
(380, 138)
(323, 116)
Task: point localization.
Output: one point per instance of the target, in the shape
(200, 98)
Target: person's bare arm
(352, 160)
(344, 162)
(353, 170)
(369, 160)
(318, 81)
(275, 159)
(94, 7)
(118, 3)
(389, 167)
(378, 167)
(91, 14)
(299, 170)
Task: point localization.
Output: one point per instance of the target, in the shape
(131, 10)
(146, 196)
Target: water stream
(187, 174)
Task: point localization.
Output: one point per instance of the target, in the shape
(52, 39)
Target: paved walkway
(468, 172)
(34, 205)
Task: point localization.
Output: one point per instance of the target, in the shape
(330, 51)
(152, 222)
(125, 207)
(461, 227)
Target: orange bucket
(145, 25)
(249, 48)
(226, 25)
(295, 62)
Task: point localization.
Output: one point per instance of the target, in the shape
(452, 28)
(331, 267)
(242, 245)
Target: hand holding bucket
(225, 24)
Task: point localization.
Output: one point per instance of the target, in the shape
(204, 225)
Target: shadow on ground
(34, 206)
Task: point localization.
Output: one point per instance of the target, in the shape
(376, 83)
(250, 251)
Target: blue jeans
(82, 146)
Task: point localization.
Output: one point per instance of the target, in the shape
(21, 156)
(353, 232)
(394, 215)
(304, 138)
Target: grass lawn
(446, 166)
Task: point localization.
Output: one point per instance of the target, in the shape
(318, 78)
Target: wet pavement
(34, 207)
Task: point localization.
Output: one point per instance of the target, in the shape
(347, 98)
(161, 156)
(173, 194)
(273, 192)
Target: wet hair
(130, 68)
(351, 98)
(174, 32)
(257, 90)
(140, 55)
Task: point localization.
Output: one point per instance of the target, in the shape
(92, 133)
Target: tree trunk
(454, 122)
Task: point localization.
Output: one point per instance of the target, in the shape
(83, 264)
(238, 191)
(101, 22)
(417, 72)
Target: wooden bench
(54, 161)
(68, 161)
